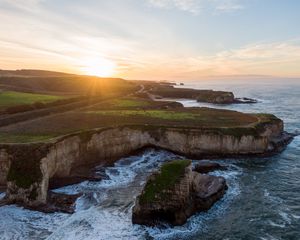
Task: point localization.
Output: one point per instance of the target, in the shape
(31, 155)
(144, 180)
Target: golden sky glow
(98, 67)
(152, 39)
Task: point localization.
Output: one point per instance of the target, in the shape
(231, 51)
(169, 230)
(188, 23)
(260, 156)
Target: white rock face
(4, 166)
(108, 145)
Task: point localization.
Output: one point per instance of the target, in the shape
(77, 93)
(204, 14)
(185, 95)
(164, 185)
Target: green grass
(265, 117)
(129, 103)
(23, 138)
(161, 114)
(169, 174)
(10, 98)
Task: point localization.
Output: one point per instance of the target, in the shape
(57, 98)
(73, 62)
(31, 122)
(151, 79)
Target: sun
(100, 67)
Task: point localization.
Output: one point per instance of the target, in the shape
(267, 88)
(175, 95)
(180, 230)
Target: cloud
(29, 5)
(228, 5)
(265, 59)
(195, 6)
(265, 51)
(192, 6)
(276, 58)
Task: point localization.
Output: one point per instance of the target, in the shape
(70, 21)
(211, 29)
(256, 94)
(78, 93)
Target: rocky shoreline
(159, 91)
(59, 160)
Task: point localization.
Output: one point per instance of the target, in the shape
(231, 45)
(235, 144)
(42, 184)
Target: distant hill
(40, 81)
(31, 73)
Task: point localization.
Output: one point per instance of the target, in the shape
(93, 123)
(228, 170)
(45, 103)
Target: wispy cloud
(195, 6)
(265, 51)
(278, 58)
(192, 6)
(29, 5)
(269, 58)
(228, 5)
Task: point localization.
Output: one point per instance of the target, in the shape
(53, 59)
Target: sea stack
(175, 193)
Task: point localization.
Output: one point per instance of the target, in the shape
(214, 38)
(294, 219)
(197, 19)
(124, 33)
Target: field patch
(11, 98)
(24, 138)
(161, 114)
(130, 103)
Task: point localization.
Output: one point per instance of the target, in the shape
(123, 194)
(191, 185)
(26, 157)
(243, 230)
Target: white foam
(19, 223)
(285, 217)
(276, 224)
(271, 198)
(104, 213)
(97, 224)
(295, 216)
(269, 237)
(2, 195)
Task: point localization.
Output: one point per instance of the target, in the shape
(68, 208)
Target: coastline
(254, 183)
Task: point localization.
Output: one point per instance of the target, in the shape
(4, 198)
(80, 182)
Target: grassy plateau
(131, 110)
(105, 103)
(12, 98)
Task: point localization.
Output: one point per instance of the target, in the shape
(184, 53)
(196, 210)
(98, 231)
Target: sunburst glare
(100, 67)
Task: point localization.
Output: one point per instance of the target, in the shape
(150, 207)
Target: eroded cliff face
(4, 166)
(191, 192)
(104, 146)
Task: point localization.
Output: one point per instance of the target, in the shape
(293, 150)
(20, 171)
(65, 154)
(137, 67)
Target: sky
(153, 39)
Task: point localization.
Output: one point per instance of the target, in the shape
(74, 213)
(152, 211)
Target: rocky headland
(29, 169)
(26, 169)
(209, 96)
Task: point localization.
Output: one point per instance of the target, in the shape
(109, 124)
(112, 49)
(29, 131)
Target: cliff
(175, 193)
(27, 168)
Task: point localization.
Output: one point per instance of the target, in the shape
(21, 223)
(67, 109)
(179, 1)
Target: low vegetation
(61, 83)
(130, 103)
(132, 111)
(23, 138)
(12, 98)
(169, 174)
(101, 103)
(160, 114)
(169, 91)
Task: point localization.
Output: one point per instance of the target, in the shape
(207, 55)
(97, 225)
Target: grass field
(130, 103)
(23, 138)
(129, 111)
(11, 98)
(160, 114)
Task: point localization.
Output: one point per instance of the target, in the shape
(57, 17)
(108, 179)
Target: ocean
(262, 202)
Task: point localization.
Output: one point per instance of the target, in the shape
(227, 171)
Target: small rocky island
(208, 96)
(175, 193)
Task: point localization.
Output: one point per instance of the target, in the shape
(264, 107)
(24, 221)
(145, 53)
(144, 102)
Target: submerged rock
(206, 167)
(245, 100)
(58, 202)
(176, 193)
